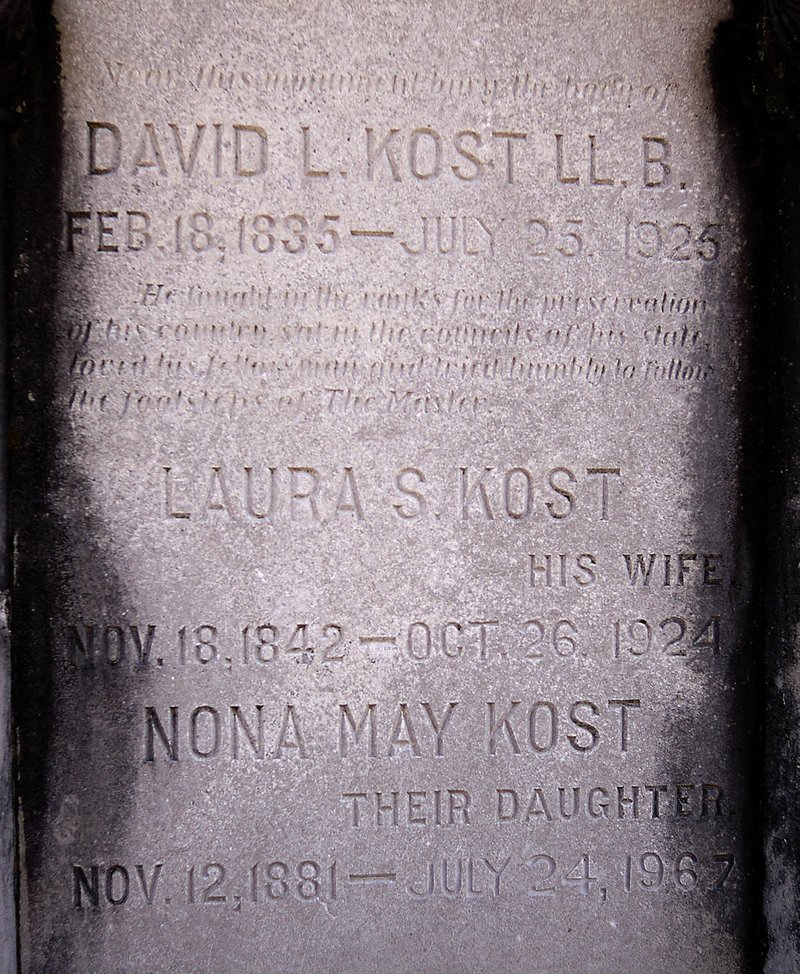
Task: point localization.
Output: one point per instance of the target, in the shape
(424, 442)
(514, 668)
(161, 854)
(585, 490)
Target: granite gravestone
(383, 595)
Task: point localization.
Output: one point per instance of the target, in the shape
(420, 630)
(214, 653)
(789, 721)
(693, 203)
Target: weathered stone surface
(383, 588)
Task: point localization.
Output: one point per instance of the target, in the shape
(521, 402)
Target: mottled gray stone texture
(383, 593)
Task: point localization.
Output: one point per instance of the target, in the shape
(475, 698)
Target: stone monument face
(383, 596)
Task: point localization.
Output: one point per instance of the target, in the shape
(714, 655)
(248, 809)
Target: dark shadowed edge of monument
(757, 84)
(762, 85)
(55, 526)
(774, 93)
(731, 75)
(15, 33)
